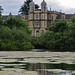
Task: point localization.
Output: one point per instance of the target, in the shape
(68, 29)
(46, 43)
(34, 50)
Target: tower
(31, 16)
(43, 16)
(37, 19)
(43, 6)
(32, 6)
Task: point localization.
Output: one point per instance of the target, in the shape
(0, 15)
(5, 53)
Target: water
(37, 63)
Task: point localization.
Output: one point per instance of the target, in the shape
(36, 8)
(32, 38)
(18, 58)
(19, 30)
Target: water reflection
(62, 66)
(41, 68)
(52, 69)
(47, 72)
(35, 66)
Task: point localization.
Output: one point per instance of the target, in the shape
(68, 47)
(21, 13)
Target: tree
(14, 22)
(1, 22)
(1, 9)
(25, 7)
(73, 19)
(15, 35)
(59, 26)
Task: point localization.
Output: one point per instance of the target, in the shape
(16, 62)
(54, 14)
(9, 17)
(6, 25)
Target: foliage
(59, 37)
(1, 9)
(59, 26)
(25, 7)
(15, 35)
(73, 19)
(1, 22)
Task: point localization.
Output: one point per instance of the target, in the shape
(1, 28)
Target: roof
(5, 17)
(59, 16)
(52, 12)
(43, 3)
(17, 16)
(68, 16)
(32, 3)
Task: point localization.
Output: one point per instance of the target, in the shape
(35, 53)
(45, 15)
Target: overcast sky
(13, 6)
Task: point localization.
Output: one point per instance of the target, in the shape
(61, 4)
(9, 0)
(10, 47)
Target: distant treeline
(59, 37)
(15, 35)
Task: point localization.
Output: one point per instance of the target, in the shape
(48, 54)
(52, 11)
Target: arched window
(37, 33)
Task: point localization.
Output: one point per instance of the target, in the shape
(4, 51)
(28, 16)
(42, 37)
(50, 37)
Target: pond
(37, 63)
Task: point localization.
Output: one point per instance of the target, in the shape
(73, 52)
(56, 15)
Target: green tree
(18, 23)
(73, 19)
(1, 22)
(55, 38)
(15, 35)
(71, 34)
(25, 7)
(59, 26)
(1, 9)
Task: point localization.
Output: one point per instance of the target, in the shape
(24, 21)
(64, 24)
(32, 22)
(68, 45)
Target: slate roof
(17, 16)
(5, 17)
(32, 3)
(43, 3)
(58, 16)
(68, 16)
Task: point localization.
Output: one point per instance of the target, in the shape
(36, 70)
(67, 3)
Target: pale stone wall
(32, 8)
(36, 16)
(63, 17)
(39, 20)
(44, 16)
(54, 16)
(43, 8)
(43, 24)
(30, 16)
(30, 24)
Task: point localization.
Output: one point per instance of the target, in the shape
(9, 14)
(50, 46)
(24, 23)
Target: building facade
(41, 19)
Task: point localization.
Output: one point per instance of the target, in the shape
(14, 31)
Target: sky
(13, 6)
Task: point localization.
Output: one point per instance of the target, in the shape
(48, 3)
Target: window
(50, 16)
(31, 16)
(43, 16)
(37, 23)
(36, 16)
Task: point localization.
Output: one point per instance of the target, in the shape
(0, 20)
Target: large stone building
(40, 19)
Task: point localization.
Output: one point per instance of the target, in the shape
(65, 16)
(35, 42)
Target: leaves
(25, 7)
(15, 35)
(1, 9)
(59, 37)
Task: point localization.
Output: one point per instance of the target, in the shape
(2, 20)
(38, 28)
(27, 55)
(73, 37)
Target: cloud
(13, 6)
